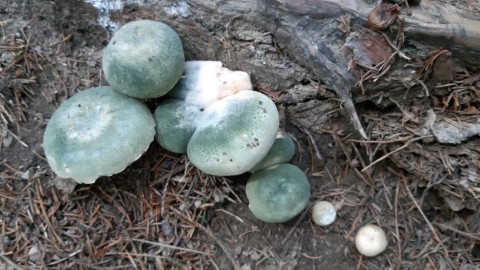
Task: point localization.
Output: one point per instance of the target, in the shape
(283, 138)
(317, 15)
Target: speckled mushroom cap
(97, 132)
(282, 151)
(144, 59)
(203, 83)
(234, 134)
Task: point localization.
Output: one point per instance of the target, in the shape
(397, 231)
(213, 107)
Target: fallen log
(309, 33)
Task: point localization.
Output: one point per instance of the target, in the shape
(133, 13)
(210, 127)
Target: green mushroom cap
(234, 134)
(175, 124)
(203, 84)
(278, 193)
(144, 59)
(97, 132)
(282, 151)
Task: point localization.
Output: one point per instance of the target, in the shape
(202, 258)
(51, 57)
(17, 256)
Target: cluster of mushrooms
(207, 112)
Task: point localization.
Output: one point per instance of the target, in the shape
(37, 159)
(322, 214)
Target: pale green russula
(234, 134)
(97, 132)
(175, 124)
(278, 193)
(202, 84)
(144, 59)
(282, 151)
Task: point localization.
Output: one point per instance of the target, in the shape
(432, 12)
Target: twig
(315, 147)
(45, 214)
(396, 150)
(400, 53)
(397, 232)
(10, 262)
(230, 214)
(425, 88)
(382, 142)
(209, 232)
(294, 227)
(473, 236)
(434, 232)
(407, 114)
(17, 138)
(169, 246)
(67, 257)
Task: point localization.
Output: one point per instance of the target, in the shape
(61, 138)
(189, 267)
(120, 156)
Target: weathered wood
(307, 33)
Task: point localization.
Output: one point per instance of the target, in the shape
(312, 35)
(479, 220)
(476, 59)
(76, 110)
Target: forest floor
(162, 213)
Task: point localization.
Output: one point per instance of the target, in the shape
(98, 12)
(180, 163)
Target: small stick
(425, 88)
(315, 147)
(169, 246)
(401, 54)
(17, 138)
(230, 214)
(399, 244)
(67, 257)
(434, 232)
(294, 227)
(473, 236)
(396, 150)
(10, 262)
(47, 219)
(208, 231)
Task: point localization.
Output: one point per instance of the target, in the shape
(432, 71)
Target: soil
(162, 213)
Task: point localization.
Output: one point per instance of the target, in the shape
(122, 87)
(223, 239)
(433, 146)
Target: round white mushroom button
(371, 240)
(323, 213)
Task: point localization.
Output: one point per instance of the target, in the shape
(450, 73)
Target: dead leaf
(440, 72)
(369, 48)
(382, 16)
(443, 70)
(471, 110)
(344, 24)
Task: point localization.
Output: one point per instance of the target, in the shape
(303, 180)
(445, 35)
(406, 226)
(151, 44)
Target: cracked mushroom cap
(144, 59)
(234, 134)
(97, 132)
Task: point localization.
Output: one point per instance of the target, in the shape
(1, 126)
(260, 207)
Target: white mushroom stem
(205, 82)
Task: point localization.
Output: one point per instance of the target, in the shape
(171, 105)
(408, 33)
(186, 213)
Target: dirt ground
(162, 213)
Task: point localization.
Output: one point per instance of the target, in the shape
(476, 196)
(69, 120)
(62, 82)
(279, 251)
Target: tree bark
(282, 42)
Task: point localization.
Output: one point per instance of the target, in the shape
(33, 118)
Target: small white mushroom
(323, 213)
(371, 240)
